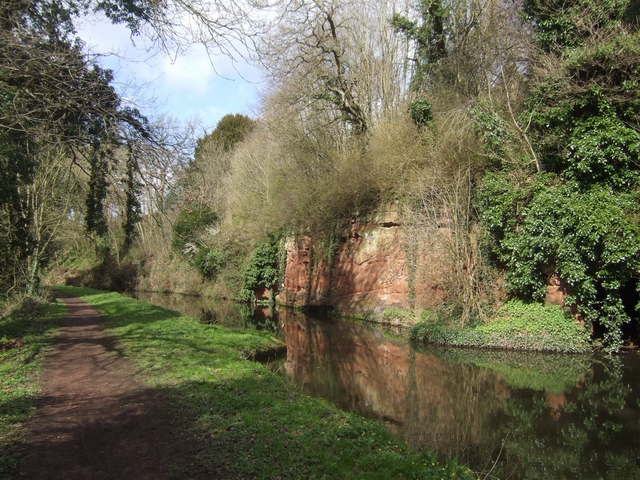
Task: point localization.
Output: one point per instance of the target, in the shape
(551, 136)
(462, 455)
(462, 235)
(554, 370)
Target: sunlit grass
(23, 338)
(252, 423)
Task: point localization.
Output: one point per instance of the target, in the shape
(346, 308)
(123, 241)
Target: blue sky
(186, 87)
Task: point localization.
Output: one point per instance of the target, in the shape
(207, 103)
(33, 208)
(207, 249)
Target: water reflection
(218, 312)
(541, 416)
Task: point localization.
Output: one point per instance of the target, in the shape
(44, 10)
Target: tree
(230, 130)
(49, 198)
(463, 47)
(52, 97)
(337, 62)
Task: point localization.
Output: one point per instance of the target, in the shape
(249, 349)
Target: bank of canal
(536, 415)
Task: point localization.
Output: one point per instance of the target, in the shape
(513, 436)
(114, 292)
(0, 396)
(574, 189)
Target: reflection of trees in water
(260, 318)
(594, 434)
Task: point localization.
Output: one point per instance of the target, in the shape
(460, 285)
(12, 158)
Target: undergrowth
(517, 326)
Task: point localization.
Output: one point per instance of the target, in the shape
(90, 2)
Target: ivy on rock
(579, 217)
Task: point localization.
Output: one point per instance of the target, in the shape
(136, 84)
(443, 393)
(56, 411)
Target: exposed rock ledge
(368, 272)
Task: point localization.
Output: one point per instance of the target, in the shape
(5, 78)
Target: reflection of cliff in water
(542, 415)
(426, 401)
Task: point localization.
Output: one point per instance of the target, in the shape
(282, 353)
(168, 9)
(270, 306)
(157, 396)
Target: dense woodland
(512, 124)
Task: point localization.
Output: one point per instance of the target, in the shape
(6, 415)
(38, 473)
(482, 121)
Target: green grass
(517, 326)
(251, 423)
(20, 371)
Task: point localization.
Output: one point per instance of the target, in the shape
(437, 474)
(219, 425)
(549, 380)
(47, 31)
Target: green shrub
(209, 262)
(263, 268)
(421, 111)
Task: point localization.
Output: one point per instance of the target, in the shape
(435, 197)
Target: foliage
(518, 326)
(191, 221)
(230, 130)
(209, 262)
(24, 334)
(580, 219)
(96, 218)
(393, 314)
(590, 238)
(132, 205)
(263, 267)
(561, 25)
(429, 32)
(495, 135)
(421, 112)
(249, 421)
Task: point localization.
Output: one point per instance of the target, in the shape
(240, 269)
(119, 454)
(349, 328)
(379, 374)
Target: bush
(190, 222)
(517, 326)
(421, 111)
(263, 268)
(209, 262)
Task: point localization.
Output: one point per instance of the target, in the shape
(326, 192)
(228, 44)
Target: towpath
(95, 420)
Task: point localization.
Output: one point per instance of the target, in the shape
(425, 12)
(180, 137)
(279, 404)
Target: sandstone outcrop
(368, 271)
(378, 264)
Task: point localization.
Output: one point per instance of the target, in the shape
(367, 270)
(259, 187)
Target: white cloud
(191, 85)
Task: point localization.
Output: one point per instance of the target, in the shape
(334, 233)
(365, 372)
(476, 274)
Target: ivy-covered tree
(52, 96)
(429, 33)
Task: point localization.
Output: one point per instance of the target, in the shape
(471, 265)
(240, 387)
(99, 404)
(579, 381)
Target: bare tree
(338, 58)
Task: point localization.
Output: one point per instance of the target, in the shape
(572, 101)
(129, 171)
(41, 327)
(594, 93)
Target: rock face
(557, 290)
(370, 271)
(367, 273)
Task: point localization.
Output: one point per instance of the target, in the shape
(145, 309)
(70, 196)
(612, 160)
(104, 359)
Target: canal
(505, 414)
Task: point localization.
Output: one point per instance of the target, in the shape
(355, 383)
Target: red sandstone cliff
(368, 272)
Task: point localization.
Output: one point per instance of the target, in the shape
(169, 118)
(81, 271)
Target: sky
(187, 87)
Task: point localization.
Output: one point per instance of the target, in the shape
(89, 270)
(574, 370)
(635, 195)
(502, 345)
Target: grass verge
(517, 326)
(250, 422)
(24, 334)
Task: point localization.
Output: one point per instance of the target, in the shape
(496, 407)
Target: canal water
(505, 414)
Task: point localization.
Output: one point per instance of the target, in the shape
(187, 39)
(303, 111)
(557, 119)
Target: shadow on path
(94, 420)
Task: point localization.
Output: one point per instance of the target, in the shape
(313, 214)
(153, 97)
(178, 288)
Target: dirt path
(95, 421)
